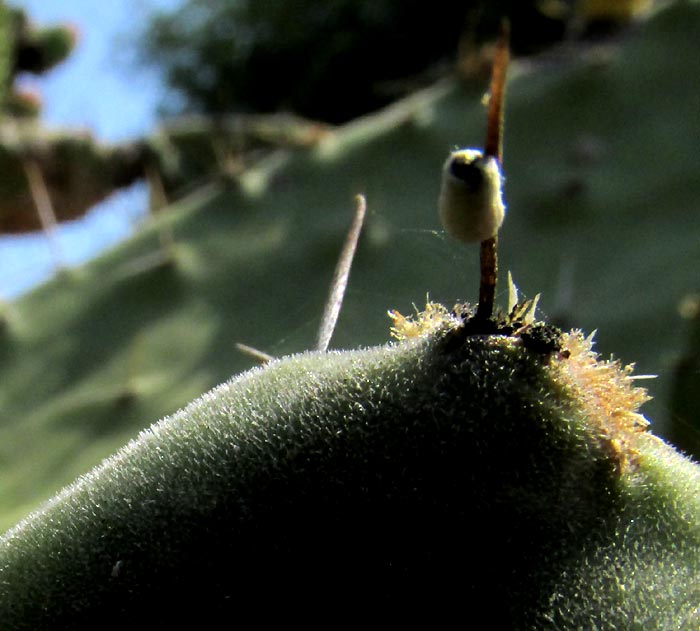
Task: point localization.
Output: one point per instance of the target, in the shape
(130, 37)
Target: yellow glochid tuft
(434, 317)
(609, 398)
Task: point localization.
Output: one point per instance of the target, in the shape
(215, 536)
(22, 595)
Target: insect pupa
(470, 205)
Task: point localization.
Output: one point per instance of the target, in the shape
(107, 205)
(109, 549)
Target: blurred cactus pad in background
(76, 171)
(602, 199)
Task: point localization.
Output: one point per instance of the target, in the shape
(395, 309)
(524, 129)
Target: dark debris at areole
(538, 337)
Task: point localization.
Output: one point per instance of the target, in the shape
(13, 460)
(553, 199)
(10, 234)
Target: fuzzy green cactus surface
(419, 478)
(601, 218)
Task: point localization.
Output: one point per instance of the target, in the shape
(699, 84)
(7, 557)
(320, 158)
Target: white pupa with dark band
(471, 206)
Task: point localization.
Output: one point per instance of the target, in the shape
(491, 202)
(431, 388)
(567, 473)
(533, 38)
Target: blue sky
(99, 89)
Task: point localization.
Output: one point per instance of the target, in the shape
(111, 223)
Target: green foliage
(23, 104)
(37, 50)
(329, 60)
(26, 48)
(613, 9)
(419, 478)
(42, 49)
(6, 43)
